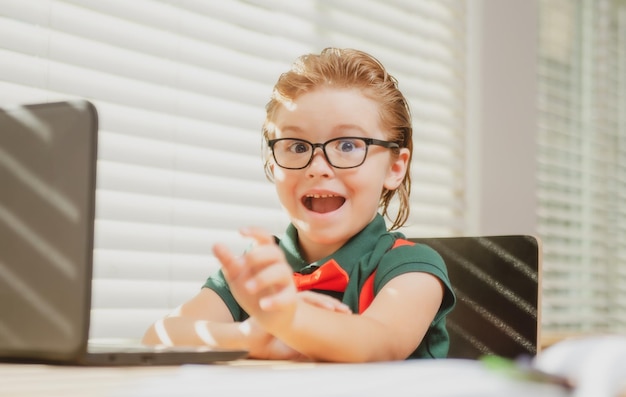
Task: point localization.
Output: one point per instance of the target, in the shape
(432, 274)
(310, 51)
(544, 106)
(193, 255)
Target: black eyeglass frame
(367, 141)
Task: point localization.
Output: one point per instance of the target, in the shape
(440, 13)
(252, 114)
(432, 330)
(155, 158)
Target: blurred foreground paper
(451, 377)
(596, 365)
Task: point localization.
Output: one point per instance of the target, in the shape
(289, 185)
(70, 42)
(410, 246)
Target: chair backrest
(498, 287)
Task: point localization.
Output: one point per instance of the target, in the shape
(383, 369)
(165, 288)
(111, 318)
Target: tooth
(321, 195)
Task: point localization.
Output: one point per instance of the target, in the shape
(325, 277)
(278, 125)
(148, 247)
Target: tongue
(323, 205)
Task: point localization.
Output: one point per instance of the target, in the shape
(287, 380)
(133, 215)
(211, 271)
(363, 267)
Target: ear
(269, 170)
(397, 170)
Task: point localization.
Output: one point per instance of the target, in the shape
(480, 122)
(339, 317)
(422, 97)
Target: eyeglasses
(344, 152)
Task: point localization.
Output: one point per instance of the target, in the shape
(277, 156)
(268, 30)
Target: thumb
(260, 236)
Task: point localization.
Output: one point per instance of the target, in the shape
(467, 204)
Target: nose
(319, 165)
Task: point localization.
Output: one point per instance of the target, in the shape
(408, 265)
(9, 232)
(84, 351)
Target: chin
(324, 233)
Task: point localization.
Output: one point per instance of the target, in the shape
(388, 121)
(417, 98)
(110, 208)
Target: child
(338, 286)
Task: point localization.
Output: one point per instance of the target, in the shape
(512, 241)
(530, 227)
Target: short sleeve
(416, 258)
(421, 258)
(218, 283)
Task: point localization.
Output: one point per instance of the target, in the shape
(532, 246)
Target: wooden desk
(276, 379)
(30, 380)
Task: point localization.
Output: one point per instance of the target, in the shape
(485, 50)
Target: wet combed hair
(349, 68)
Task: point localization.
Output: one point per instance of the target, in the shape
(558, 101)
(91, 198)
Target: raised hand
(260, 280)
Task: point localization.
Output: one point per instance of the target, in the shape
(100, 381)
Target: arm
(390, 329)
(205, 320)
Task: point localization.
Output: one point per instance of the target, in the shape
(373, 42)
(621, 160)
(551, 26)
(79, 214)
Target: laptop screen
(47, 197)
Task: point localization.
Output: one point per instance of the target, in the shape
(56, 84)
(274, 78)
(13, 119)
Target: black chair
(498, 287)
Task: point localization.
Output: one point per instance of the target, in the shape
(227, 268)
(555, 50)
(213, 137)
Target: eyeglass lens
(339, 152)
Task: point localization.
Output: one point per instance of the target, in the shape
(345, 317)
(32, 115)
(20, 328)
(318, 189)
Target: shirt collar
(344, 256)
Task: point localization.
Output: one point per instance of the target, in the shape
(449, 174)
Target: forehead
(329, 109)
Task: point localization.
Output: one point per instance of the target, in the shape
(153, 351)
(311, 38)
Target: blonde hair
(349, 68)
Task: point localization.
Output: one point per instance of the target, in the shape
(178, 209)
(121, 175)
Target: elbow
(150, 336)
(157, 334)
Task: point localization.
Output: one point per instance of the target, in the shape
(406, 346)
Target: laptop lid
(47, 172)
(48, 157)
(497, 280)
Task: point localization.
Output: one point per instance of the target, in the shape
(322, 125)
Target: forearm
(186, 331)
(338, 337)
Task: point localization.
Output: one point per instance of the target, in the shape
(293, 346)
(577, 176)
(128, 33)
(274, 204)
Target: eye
(298, 147)
(348, 145)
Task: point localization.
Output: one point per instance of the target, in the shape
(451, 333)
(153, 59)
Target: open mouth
(323, 203)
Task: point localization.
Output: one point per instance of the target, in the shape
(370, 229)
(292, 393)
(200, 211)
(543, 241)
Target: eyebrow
(339, 128)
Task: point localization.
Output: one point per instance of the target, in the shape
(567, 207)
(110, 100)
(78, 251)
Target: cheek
(367, 185)
(280, 176)
(284, 184)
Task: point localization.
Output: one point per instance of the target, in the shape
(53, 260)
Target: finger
(263, 256)
(269, 278)
(259, 235)
(343, 308)
(336, 306)
(324, 302)
(231, 265)
(278, 299)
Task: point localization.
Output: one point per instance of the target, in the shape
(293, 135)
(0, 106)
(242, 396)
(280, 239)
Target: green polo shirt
(374, 252)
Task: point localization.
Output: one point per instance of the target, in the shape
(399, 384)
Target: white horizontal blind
(582, 164)
(181, 86)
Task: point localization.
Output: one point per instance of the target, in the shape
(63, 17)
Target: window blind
(582, 173)
(180, 87)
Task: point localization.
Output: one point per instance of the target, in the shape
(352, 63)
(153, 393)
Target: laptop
(48, 156)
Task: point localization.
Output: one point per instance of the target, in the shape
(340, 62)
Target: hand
(261, 280)
(324, 302)
(265, 346)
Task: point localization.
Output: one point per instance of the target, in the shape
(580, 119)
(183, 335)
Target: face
(328, 205)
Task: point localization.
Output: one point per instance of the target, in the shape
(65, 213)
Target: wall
(501, 159)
